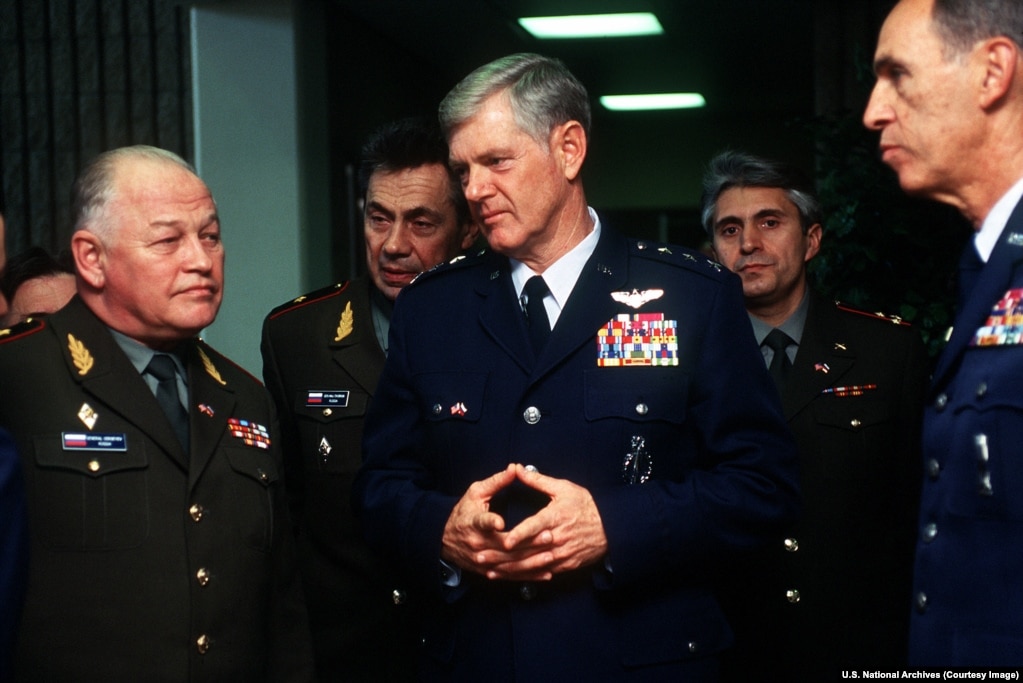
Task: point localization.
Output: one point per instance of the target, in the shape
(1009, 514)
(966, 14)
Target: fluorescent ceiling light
(671, 100)
(593, 25)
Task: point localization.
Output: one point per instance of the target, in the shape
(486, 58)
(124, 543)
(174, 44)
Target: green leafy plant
(882, 250)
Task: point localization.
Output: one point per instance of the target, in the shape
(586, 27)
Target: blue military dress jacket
(13, 548)
(687, 461)
(968, 572)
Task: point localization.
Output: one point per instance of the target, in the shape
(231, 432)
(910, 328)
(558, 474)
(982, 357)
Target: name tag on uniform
(334, 398)
(80, 441)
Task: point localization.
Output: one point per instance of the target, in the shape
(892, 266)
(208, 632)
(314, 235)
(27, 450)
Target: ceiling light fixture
(670, 100)
(593, 25)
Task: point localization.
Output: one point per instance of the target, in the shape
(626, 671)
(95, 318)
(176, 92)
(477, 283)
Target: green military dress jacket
(148, 563)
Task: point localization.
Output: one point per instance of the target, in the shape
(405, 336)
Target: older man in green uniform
(160, 540)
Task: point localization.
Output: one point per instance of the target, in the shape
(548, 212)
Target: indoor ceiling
(753, 60)
(747, 54)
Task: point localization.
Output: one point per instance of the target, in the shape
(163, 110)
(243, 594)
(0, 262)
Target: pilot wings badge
(635, 298)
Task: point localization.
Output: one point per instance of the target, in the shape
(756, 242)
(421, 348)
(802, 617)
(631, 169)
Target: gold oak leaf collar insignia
(80, 355)
(347, 323)
(210, 369)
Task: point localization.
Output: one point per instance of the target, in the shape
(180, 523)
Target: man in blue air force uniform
(563, 462)
(948, 103)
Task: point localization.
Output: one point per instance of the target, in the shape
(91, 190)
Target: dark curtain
(78, 77)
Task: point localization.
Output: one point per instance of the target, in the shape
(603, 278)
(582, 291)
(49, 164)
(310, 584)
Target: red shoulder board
(877, 315)
(22, 329)
(309, 298)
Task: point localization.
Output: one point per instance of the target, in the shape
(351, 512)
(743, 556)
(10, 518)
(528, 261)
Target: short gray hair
(94, 187)
(542, 91)
(738, 169)
(962, 23)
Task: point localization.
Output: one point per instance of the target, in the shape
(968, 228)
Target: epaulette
(205, 351)
(671, 253)
(22, 329)
(460, 261)
(877, 315)
(311, 297)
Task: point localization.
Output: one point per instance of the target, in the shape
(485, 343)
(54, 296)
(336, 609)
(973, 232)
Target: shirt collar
(793, 325)
(561, 275)
(993, 226)
(140, 355)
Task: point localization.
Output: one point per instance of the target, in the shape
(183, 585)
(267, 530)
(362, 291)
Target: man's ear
(90, 258)
(813, 241)
(1000, 61)
(568, 141)
(471, 232)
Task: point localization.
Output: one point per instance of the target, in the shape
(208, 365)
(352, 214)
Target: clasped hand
(564, 535)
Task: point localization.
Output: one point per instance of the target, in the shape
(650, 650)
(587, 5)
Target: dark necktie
(970, 265)
(778, 341)
(536, 315)
(162, 368)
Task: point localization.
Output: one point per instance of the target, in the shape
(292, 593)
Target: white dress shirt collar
(994, 224)
(561, 275)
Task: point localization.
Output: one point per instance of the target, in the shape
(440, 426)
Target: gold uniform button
(195, 512)
(327, 412)
(263, 476)
(854, 423)
(791, 544)
(792, 596)
(93, 465)
(398, 596)
(202, 644)
(202, 576)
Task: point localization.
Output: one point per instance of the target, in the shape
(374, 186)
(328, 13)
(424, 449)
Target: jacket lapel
(823, 358)
(500, 314)
(590, 305)
(994, 280)
(357, 352)
(96, 361)
(211, 402)
(588, 308)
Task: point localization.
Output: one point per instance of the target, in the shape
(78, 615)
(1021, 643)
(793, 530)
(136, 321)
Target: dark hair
(738, 169)
(409, 143)
(961, 23)
(542, 91)
(29, 264)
